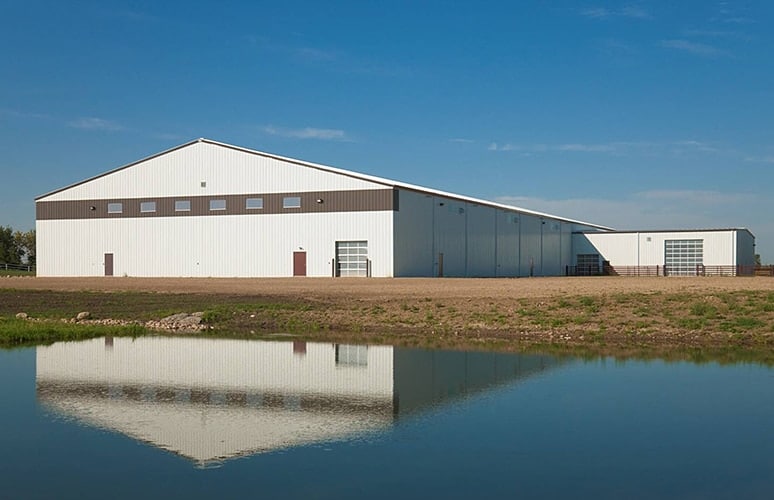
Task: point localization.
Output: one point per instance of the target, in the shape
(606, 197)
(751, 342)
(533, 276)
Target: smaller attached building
(728, 252)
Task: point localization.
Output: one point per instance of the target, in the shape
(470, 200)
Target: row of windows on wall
(215, 204)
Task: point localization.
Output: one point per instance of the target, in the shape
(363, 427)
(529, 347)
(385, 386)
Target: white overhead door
(683, 257)
(351, 258)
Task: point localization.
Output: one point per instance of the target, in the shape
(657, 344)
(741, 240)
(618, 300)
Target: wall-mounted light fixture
(319, 200)
(92, 208)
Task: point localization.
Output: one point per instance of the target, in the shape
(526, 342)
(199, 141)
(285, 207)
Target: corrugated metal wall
(468, 239)
(224, 170)
(720, 248)
(745, 249)
(226, 246)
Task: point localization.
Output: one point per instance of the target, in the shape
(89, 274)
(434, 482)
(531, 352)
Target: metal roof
(339, 171)
(654, 231)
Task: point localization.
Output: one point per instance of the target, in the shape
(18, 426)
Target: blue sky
(636, 115)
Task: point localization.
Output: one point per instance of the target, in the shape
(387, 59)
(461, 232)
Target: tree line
(17, 247)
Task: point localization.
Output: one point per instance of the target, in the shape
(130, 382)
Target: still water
(201, 418)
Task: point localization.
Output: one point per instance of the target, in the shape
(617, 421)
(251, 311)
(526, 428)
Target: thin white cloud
(695, 197)
(544, 148)
(330, 59)
(635, 12)
(666, 209)
(760, 159)
(169, 136)
(674, 148)
(629, 11)
(91, 123)
(24, 114)
(326, 134)
(710, 33)
(587, 148)
(316, 55)
(703, 147)
(462, 141)
(694, 48)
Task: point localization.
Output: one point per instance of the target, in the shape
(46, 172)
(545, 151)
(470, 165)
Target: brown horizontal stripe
(52, 390)
(365, 200)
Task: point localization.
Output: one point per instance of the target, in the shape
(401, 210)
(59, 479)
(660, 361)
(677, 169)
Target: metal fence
(16, 267)
(699, 270)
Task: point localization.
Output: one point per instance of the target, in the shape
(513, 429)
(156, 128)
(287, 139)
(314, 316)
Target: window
(115, 208)
(351, 258)
(182, 205)
(217, 204)
(291, 202)
(683, 257)
(148, 206)
(352, 355)
(254, 203)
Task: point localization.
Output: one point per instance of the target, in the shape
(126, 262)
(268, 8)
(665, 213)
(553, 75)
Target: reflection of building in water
(210, 400)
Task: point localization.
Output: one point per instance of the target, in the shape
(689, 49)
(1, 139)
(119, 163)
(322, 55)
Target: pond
(201, 418)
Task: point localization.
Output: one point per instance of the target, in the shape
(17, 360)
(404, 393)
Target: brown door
(108, 264)
(299, 263)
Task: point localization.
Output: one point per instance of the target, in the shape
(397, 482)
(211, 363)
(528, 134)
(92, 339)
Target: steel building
(213, 399)
(665, 253)
(211, 209)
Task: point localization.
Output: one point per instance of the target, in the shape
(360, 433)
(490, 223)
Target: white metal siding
(507, 243)
(218, 364)
(449, 236)
(224, 170)
(530, 245)
(647, 248)
(413, 234)
(481, 241)
(551, 251)
(567, 255)
(620, 249)
(224, 246)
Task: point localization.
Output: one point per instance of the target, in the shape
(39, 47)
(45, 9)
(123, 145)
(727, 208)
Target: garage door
(682, 257)
(351, 258)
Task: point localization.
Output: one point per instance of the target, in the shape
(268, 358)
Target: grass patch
(741, 325)
(15, 272)
(704, 310)
(18, 332)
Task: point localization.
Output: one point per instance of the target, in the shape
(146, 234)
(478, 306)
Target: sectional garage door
(682, 257)
(351, 258)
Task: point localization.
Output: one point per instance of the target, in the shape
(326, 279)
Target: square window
(115, 208)
(217, 204)
(254, 203)
(148, 206)
(182, 205)
(291, 202)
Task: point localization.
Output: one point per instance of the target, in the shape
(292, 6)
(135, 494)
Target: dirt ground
(401, 288)
(666, 313)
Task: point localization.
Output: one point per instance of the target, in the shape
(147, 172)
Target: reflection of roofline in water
(214, 408)
(214, 434)
(424, 378)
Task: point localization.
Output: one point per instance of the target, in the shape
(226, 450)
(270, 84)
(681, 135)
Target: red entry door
(108, 264)
(299, 263)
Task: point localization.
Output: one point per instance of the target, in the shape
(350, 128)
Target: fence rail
(16, 267)
(699, 270)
